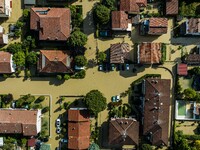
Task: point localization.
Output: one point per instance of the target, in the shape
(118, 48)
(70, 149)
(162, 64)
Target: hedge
(192, 137)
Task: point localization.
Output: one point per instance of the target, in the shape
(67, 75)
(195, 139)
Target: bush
(80, 75)
(192, 137)
(45, 109)
(37, 106)
(40, 99)
(67, 77)
(5, 76)
(59, 77)
(26, 13)
(7, 98)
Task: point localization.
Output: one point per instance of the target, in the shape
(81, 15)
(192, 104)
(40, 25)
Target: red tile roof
(5, 62)
(123, 132)
(55, 61)
(132, 6)
(78, 129)
(119, 20)
(158, 26)
(78, 115)
(52, 23)
(172, 7)
(18, 122)
(156, 110)
(149, 53)
(193, 25)
(119, 52)
(182, 69)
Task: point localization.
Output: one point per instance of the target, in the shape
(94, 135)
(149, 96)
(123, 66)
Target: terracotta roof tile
(78, 129)
(182, 69)
(158, 26)
(119, 52)
(123, 132)
(150, 53)
(171, 7)
(53, 24)
(132, 6)
(55, 61)
(18, 121)
(156, 110)
(119, 20)
(5, 65)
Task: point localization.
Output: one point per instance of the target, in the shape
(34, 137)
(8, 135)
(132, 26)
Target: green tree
(77, 39)
(146, 147)
(32, 58)
(45, 109)
(40, 99)
(95, 101)
(189, 94)
(19, 58)
(80, 75)
(19, 24)
(102, 14)
(14, 48)
(26, 13)
(80, 60)
(7, 98)
(28, 43)
(101, 57)
(110, 4)
(94, 146)
(195, 71)
(77, 18)
(197, 144)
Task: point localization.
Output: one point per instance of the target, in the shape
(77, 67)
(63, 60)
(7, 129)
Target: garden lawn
(181, 108)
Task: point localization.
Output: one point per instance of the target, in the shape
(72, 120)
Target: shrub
(37, 106)
(5, 76)
(80, 75)
(59, 77)
(67, 77)
(45, 109)
(192, 137)
(40, 99)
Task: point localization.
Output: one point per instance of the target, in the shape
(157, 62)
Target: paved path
(110, 84)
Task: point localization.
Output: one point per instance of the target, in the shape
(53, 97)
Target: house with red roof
(52, 24)
(154, 26)
(54, 61)
(156, 111)
(149, 53)
(123, 131)
(78, 129)
(132, 6)
(172, 7)
(191, 27)
(120, 21)
(182, 69)
(7, 66)
(18, 121)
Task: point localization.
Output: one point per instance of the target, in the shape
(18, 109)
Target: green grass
(181, 108)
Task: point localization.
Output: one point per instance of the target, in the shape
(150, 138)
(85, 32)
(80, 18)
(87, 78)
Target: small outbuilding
(182, 69)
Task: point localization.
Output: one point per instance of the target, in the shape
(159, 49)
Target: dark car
(105, 33)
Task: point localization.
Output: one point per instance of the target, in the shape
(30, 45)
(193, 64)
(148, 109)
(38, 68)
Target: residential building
(20, 121)
(78, 129)
(171, 7)
(119, 53)
(7, 65)
(132, 6)
(5, 8)
(52, 24)
(123, 131)
(156, 106)
(55, 61)
(191, 27)
(149, 53)
(182, 69)
(3, 37)
(120, 21)
(154, 26)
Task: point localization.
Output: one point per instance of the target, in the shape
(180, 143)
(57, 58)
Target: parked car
(100, 67)
(115, 98)
(63, 140)
(79, 68)
(127, 67)
(58, 130)
(58, 122)
(105, 33)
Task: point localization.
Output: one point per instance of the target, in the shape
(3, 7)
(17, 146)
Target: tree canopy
(101, 57)
(95, 101)
(146, 147)
(189, 94)
(102, 14)
(19, 58)
(110, 4)
(14, 48)
(77, 39)
(31, 58)
(80, 60)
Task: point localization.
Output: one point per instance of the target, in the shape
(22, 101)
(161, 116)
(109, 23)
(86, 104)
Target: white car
(58, 130)
(58, 122)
